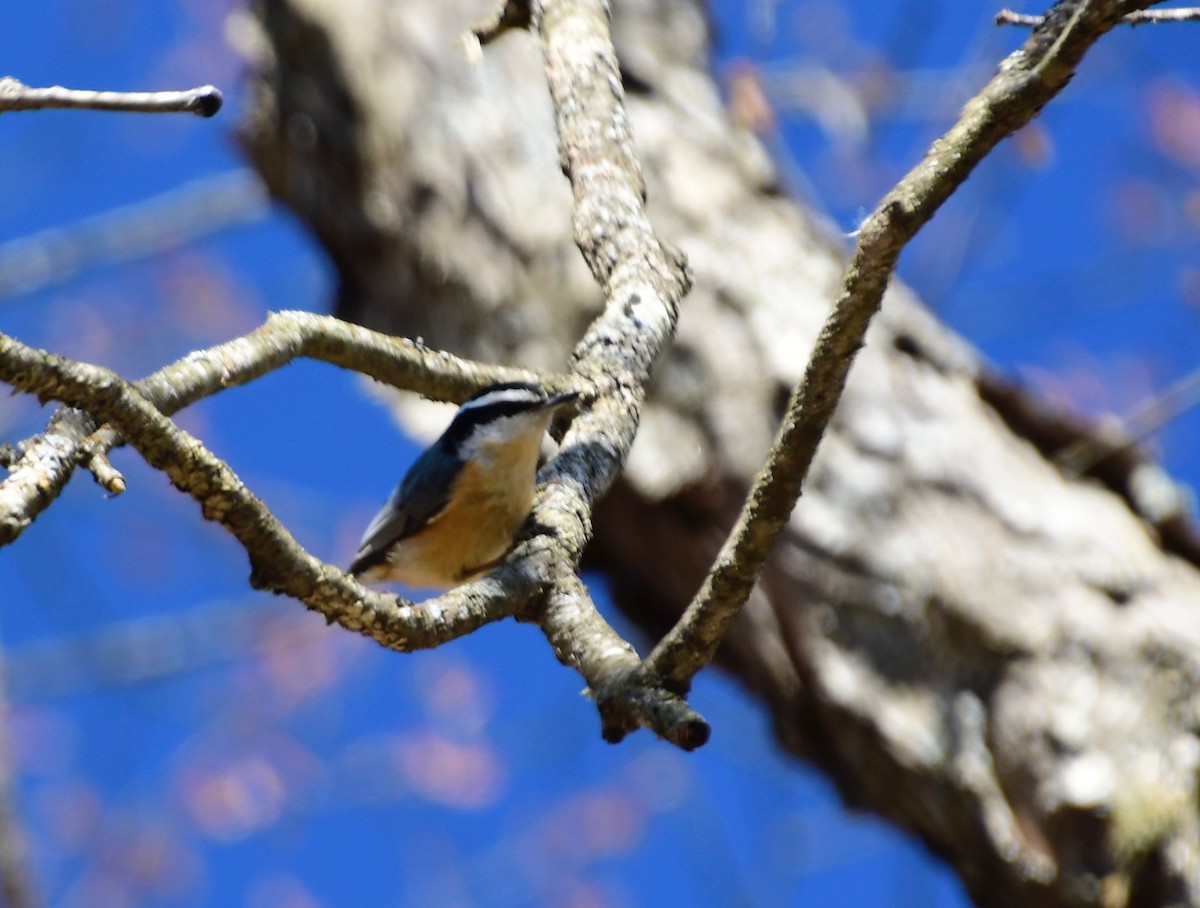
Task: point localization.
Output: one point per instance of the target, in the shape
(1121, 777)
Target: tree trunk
(993, 654)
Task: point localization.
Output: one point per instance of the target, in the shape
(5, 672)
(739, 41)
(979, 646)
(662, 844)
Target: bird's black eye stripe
(468, 420)
(504, 408)
(501, 408)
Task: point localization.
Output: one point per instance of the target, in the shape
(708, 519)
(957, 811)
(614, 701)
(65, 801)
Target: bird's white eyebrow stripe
(508, 395)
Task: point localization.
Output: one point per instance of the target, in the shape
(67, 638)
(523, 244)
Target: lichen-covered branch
(642, 279)
(278, 563)
(643, 282)
(584, 641)
(47, 461)
(1025, 82)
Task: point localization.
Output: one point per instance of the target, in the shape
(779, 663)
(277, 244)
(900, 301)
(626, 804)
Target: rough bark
(996, 655)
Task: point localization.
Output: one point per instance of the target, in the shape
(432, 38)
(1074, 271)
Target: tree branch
(204, 101)
(584, 641)
(1026, 81)
(641, 278)
(278, 563)
(48, 460)
(643, 282)
(578, 633)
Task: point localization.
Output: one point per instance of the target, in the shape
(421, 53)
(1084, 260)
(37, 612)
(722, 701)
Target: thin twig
(1026, 81)
(204, 101)
(1140, 17)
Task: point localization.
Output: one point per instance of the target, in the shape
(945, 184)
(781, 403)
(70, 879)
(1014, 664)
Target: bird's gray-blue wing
(423, 492)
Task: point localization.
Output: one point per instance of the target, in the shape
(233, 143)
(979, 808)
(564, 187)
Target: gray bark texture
(994, 654)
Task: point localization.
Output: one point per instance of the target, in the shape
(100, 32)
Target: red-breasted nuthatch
(454, 514)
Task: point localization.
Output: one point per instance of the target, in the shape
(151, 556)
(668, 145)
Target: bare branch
(39, 470)
(584, 641)
(1026, 81)
(395, 361)
(204, 101)
(95, 461)
(1140, 17)
(278, 563)
(643, 282)
(571, 622)
(48, 460)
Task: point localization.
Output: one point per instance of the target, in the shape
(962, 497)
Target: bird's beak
(559, 399)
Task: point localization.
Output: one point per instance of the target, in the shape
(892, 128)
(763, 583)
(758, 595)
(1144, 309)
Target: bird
(453, 516)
